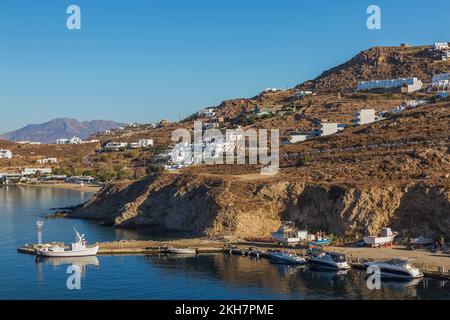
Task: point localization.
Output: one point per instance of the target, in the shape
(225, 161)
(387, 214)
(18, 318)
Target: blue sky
(143, 60)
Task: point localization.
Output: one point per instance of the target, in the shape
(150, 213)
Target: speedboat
(286, 258)
(397, 268)
(386, 238)
(329, 260)
(181, 250)
(77, 249)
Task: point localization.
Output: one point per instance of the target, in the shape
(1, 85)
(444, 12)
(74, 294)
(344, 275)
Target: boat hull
(378, 241)
(182, 251)
(70, 253)
(326, 265)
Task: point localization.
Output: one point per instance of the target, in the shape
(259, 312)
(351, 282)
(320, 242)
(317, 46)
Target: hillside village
(359, 144)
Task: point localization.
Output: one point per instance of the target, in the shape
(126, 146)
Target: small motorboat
(397, 268)
(77, 249)
(181, 250)
(320, 242)
(386, 238)
(421, 241)
(286, 258)
(329, 260)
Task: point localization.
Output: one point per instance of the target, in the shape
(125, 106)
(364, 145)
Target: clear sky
(143, 60)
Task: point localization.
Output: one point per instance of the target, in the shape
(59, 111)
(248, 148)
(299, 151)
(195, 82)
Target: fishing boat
(181, 250)
(386, 238)
(77, 249)
(329, 260)
(286, 258)
(397, 268)
(288, 234)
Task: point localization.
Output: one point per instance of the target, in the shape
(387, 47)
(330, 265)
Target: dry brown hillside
(381, 63)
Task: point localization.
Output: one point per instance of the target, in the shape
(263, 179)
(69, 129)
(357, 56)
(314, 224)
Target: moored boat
(181, 250)
(286, 258)
(397, 268)
(329, 260)
(77, 249)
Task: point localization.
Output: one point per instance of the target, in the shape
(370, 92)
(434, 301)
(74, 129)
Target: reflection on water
(160, 277)
(299, 282)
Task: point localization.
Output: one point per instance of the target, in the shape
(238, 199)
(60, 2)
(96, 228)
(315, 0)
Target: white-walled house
(145, 143)
(441, 46)
(441, 81)
(5, 154)
(115, 146)
(33, 171)
(327, 129)
(410, 84)
(73, 140)
(364, 116)
(294, 138)
(47, 160)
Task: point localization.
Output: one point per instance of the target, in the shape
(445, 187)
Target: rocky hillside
(224, 207)
(49, 131)
(381, 63)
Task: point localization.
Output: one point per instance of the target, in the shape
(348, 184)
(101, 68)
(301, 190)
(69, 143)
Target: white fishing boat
(288, 234)
(286, 257)
(386, 238)
(181, 250)
(397, 268)
(77, 249)
(329, 260)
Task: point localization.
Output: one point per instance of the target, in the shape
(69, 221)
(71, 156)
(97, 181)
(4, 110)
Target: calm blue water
(158, 277)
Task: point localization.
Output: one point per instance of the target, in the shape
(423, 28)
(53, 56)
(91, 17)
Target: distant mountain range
(59, 128)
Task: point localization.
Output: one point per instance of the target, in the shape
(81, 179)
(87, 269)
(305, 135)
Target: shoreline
(66, 186)
(435, 265)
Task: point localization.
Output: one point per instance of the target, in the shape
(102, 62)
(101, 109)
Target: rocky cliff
(226, 207)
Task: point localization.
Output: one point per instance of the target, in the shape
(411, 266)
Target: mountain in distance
(49, 131)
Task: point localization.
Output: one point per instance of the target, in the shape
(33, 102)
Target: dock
(438, 267)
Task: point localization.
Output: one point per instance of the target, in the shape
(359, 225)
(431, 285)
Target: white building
(207, 112)
(294, 138)
(33, 171)
(302, 93)
(73, 140)
(441, 81)
(441, 45)
(363, 117)
(145, 143)
(411, 84)
(5, 154)
(115, 146)
(62, 141)
(47, 161)
(327, 129)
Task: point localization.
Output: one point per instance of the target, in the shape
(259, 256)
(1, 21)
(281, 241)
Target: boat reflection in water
(81, 262)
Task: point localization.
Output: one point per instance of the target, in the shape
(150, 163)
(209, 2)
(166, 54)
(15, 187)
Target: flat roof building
(364, 116)
(5, 154)
(410, 84)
